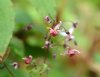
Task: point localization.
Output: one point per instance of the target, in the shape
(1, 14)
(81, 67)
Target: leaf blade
(6, 24)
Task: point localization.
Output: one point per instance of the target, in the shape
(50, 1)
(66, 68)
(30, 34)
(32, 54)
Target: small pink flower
(47, 44)
(47, 19)
(15, 65)
(53, 32)
(72, 52)
(28, 59)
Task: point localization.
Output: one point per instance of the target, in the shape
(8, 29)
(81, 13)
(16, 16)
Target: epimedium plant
(57, 28)
(40, 64)
(53, 31)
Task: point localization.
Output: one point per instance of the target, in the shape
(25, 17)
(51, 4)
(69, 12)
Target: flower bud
(53, 32)
(75, 24)
(72, 52)
(47, 19)
(47, 44)
(28, 27)
(28, 59)
(15, 65)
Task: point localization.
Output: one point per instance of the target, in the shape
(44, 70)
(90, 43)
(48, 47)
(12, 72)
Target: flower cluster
(27, 60)
(37, 64)
(58, 28)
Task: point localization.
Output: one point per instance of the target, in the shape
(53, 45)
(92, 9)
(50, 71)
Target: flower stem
(12, 75)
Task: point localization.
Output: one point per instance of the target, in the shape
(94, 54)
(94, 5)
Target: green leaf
(17, 46)
(21, 73)
(46, 7)
(38, 9)
(6, 24)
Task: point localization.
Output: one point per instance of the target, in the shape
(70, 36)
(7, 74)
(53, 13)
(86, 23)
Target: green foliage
(6, 24)
(17, 46)
(24, 43)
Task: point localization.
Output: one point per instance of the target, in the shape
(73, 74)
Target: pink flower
(28, 59)
(15, 65)
(47, 44)
(72, 52)
(53, 32)
(47, 19)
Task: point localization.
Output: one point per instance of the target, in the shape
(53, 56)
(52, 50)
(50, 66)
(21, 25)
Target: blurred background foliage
(23, 43)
